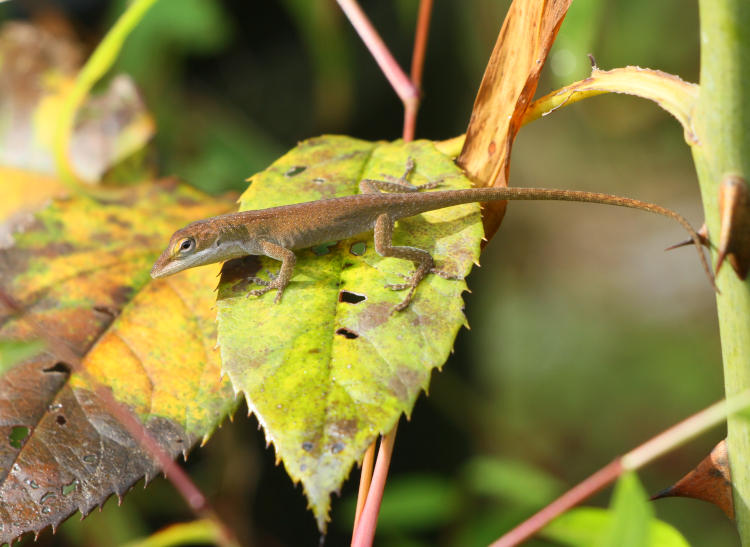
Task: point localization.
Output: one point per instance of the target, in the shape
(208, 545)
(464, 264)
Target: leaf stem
(364, 533)
(365, 479)
(417, 64)
(398, 79)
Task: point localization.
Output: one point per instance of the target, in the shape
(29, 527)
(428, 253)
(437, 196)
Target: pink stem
(365, 479)
(364, 533)
(400, 82)
(417, 63)
(569, 499)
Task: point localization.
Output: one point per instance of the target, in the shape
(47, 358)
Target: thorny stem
(364, 533)
(192, 495)
(721, 119)
(657, 446)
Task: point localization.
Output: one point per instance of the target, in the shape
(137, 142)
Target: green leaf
(15, 351)
(588, 526)
(513, 481)
(330, 368)
(418, 503)
(631, 513)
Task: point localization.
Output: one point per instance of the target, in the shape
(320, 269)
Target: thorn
(592, 61)
(734, 236)
(709, 481)
(702, 235)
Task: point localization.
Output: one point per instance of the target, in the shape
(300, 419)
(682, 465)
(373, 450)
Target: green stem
(96, 67)
(722, 123)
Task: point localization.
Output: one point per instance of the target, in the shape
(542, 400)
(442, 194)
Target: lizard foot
(401, 306)
(444, 274)
(264, 290)
(259, 281)
(259, 292)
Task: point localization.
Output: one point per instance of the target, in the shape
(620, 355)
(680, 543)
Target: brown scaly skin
(278, 231)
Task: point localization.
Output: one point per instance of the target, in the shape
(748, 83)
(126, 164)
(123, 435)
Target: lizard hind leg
(383, 233)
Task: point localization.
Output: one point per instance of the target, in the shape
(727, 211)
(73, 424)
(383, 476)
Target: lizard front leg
(280, 281)
(383, 234)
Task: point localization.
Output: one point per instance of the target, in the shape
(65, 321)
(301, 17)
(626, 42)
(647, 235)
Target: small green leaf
(631, 513)
(418, 503)
(18, 435)
(197, 532)
(14, 351)
(589, 526)
(515, 482)
(330, 368)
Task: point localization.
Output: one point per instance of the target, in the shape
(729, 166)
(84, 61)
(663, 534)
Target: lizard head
(188, 247)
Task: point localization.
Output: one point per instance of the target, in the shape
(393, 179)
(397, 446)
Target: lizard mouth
(162, 270)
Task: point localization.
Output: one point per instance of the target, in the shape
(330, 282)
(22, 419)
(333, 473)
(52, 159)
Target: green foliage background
(586, 338)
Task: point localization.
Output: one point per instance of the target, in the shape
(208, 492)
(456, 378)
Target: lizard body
(278, 231)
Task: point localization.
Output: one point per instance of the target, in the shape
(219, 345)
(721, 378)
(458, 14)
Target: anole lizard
(278, 231)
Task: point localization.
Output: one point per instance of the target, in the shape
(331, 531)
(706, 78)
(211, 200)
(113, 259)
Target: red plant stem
(420, 42)
(365, 479)
(187, 489)
(180, 480)
(364, 533)
(400, 82)
(569, 499)
(417, 63)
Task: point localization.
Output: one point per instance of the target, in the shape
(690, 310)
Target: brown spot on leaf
(405, 383)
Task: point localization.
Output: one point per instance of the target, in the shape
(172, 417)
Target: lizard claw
(259, 292)
(398, 286)
(444, 274)
(431, 184)
(259, 281)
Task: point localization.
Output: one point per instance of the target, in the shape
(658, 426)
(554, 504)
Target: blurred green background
(586, 337)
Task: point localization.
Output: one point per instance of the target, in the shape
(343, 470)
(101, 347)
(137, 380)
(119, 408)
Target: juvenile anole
(278, 231)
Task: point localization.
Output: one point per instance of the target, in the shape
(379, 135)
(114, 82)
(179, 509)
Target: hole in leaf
(62, 368)
(69, 488)
(89, 458)
(47, 496)
(346, 333)
(336, 448)
(307, 446)
(18, 434)
(358, 248)
(318, 180)
(296, 170)
(323, 248)
(106, 310)
(351, 297)
(61, 419)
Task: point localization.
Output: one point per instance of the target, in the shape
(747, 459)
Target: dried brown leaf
(508, 85)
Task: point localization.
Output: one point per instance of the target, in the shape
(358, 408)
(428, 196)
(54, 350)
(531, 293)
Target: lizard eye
(186, 245)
